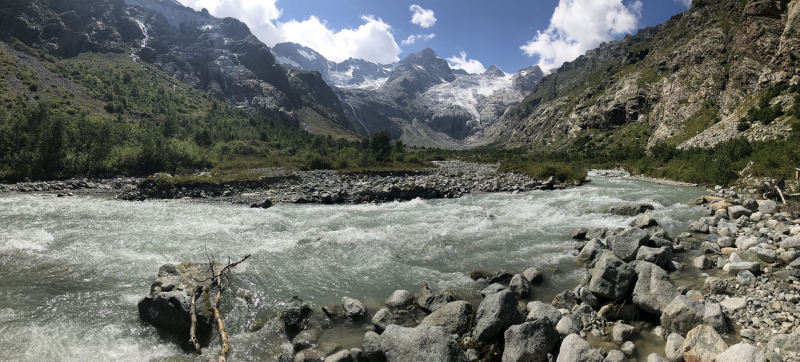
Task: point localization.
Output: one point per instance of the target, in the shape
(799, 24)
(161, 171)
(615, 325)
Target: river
(73, 269)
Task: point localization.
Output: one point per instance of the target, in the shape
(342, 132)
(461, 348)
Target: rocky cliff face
(218, 56)
(688, 81)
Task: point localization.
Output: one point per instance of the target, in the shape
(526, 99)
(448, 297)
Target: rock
(305, 339)
(658, 256)
(575, 349)
(654, 290)
(400, 299)
(791, 243)
(495, 314)
(736, 212)
(702, 262)
(309, 355)
(579, 233)
(430, 301)
(725, 242)
(587, 297)
(766, 255)
(682, 314)
(599, 233)
(625, 312)
(622, 333)
(628, 348)
(699, 227)
(735, 268)
(353, 308)
(530, 341)
(590, 251)
(616, 356)
(492, 289)
(520, 286)
(372, 347)
(333, 311)
(568, 325)
(611, 278)
(715, 285)
(654, 357)
(703, 344)
(731, 305)
(674, 348)
(423, 343)
(643, 222)
(341, 356)
(767, 207)
(626, 244)
(630, 210)
(539, 310)
(533, 275)
(715, 318)
(786, 343)
(565, 300)
(742, 352)
(454, 317)
(751, 205)
(382, 319)
(357, 355)
(746, 278)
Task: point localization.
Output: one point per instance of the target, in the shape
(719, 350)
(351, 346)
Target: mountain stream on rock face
(73, 269)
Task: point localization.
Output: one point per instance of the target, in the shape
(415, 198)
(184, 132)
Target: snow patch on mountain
(465, 92)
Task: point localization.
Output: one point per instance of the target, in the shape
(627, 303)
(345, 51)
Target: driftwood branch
(193, 312)
(223, 334)
(780, 193)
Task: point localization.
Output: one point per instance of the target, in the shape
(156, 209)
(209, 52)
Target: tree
(381, 144)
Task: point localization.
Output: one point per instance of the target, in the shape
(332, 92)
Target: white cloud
(580, 25)
(371, 41)
(461, 62)
(686, 3)
(413, 38)
(422, 17)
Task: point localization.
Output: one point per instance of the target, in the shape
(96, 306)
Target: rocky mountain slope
(218, 56)
(686, 83)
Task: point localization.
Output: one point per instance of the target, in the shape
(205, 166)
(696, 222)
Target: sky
(471, 34)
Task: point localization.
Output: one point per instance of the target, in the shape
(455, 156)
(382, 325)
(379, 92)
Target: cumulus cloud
(422, 17)
(686, 3)
(470, 65)
(413, 38)
(371, 41)
(579, 25)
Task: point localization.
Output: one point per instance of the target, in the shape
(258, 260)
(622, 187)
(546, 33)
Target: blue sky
(464, 31)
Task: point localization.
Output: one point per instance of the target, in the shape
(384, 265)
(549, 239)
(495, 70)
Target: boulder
(742, 352)
(382, 319)
(520, 286)
(492, 289)
(703, 344)
(372, 347)
(682, 314)
(786, 343)
(539, 310)
(735, 268)
(655, 357)
(309, 355)
(423, 343)
(430, 301)
(791, 243)
(626, 244)
(767, 207)
(715, 285)
(751, 205)
(616, 356)
(715, 318)
(400, 299)
(575, 349)
(611, 278)
(565, 300)
(654, 290)
(495, 314)
(306, 339)
(579, 233)
(624, 312)
(341, 356)
(731, 305)
(622, 333)
(643, 222)
(568, 325)
(533, 275)
(702, 262)
(674, 348)
(454, 317)
(746, 278)
(598, 233)
(630, 210)
(736, 212)
(658, 256)
(699, 227)
(587, 297)
(590, 251)
(530, 341)
(353, 308)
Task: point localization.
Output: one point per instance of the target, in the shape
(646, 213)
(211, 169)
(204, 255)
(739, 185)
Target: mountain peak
(494, 71)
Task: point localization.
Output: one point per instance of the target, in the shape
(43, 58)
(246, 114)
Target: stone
(590, 251)
(357, 355)
(492, 289)
(658, 256)
(568, 325)
(372, 347)
(530, 341)
(766, 255)
(382, 319)
(579, 233)
(702, 262)
(333, 311)
(731, 305)
(616, 356)
(423, 343)
(598, 233)
(751, 205)
(533, 275)
(725, 242)
(430, 301)
(742, 352)
(767, 207)
(735, 268)
(587, 297)
(454, 317)
(786, 343)
(703, 344)
(746, 278)
(643, 222)
(539, 310)
(654, 290)
(698, 227)
(682, 314)
(791, 243)
(625, 312)
(628, 348)
(626, 244)
(575, 349)
(674, 348)
(495, 314)
(715, 318)
(715, 285)
(341, 356)
(309, 355)
(306, 339)
(565, 300)
(622, 333)
(520, 286)
(612, 278)
(353, 308)
(400, 299)
(736, 212)
(630, 210)
(654, 357)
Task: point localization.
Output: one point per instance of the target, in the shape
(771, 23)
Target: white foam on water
(30, 239)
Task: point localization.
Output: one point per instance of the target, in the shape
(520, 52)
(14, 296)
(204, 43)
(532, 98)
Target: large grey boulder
(539, 310)
(611, 278)
(575, 349)
(495, 314)
(791, 243)
(430, 301)
(616, 356)
(626, 244)
(309, 355)
(423, 343)
(622, 333)
(400, 299)
(598, 233)
(382, 319)
(353, 308)
(742, 352)
(714, 317)
(306, 339)
(654, 290)
(682, 314)
(630, 210)
(767, 207)
(735, 212)
(520, 286)
(454, 317)
(530, 341)
(658, 256)
(372, 347)
(699, 227)
(533, 275)
(703, 344)
(714, 285)
(579, 233)
(591, 250)
(568, 324)
(674, 348)
(341, 356)
(785, 342)
(643, 222)
(751, 266)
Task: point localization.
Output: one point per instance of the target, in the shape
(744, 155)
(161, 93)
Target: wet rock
(539, 310)
(423, 343)
(430, 301)
(626, 244)
(703, 344)
(333, 311)
(628, 348)
(643, 222)
(715, 285)
(305, 339)
(612, 278)
(654, 290)
(454, 317)
(622, 333)
(702, 262)
(598, 233)
(520, 286)
(372, 347)
(400, 299)
(565, 300)
(568, 325)
(654, 357)
(674, 348)
(357, 355)
(341, 356)
(533, 275)
(742, 352)
(616, 356)
(492, 289)
(530, 341)
(630, 210)
(309, 355)
(658, 256)
(579, 233)
(575, 349)
(590, 251)
(682, 314)
(587, 297)
(699, 227)
(495, 314)
(353, 308)
(612, 312)
(382, 319)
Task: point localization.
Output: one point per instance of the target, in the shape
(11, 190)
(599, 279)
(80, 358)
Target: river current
(73, 269)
